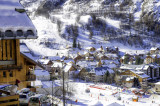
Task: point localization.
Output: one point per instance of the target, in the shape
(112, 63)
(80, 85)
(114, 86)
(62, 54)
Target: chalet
(101, 56)
(98, 74)
(69, 70)
(83, 74)
(149, 59)
(88, 56)
(154, 50)
(100, 50)
(47, 63)
(15, 25)
(87, 64)
(127, 80)
(155, 58)
(56, 69)
(140, 78)
(78, 58)
(150, 70)
(91, 49)
(114, 50)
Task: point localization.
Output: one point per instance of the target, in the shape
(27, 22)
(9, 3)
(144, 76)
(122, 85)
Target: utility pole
(52, 92)
(63, 91)
(52, 87)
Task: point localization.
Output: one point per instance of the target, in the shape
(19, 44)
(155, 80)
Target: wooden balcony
(31, 77)
(11, 68)
(9, 100)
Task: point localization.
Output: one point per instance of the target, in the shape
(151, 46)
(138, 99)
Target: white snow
(109, 96)
(41, 73)
(13, 20)
(44, 61)
(36, 83)
(114, 23)
(24, 49)
(84, 19)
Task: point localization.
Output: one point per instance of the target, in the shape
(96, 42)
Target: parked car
(24, 90)
(39, 100)
(24, 97)
(53, 100)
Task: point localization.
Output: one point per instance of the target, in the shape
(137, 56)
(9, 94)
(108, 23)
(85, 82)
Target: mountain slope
(92, 22)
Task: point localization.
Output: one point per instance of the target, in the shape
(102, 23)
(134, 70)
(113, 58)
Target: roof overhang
(33, 62)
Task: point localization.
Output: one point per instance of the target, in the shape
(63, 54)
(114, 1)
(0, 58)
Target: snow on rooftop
(12, 20)
(41, 73)
(140, 74)
(57, 64)
(44, 61)
(24, 49)
(101, 70)
(158, 83)
(67, 67)
(84, 19)
(29, 55)
(145, 67)
(153, 48)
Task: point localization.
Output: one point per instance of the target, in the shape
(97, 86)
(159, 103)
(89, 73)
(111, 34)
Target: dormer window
(8, 33)
(30, 32)
(19, 33)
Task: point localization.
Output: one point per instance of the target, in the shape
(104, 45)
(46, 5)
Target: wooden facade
(142, 80)
(13, 65)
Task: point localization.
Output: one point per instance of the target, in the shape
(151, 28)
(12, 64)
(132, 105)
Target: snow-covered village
(79, 52)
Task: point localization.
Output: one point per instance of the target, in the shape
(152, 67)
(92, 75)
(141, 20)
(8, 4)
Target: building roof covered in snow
(31, 59)
(101, 70)
(41, 73)
(140, 74)
(154, 48)
(44, 61)
(24, 48)
(128, 66)
(57, 64)
(15, 24)
(67, 67)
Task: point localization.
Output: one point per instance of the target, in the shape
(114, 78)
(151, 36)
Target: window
(4, 74)
(11, 73)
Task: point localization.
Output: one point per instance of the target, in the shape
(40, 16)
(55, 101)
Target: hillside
(61, 24)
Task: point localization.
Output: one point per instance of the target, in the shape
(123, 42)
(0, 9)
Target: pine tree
(79, 46)
(126, 59)
(137, 60)
(74, 43)
(107, 77)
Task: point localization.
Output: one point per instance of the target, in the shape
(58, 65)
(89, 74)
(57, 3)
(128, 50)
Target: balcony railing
(31, 77)
(9, 100)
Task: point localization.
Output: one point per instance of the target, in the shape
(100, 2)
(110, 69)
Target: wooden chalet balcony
(31, 77)
(11, 68)
(9, 100)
